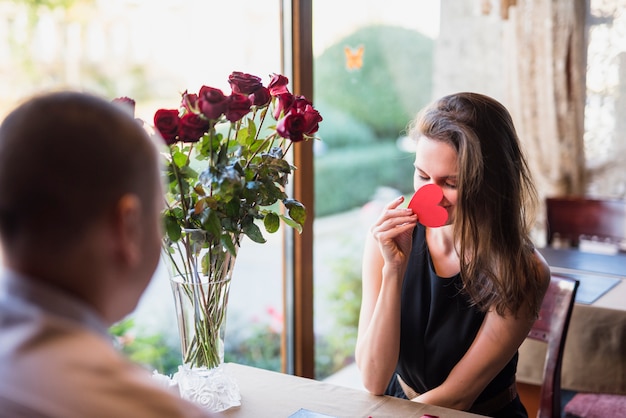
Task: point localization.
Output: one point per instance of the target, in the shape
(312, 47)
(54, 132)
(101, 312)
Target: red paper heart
(425, 204)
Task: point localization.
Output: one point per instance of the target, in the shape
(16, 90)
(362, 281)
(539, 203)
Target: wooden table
(276, 395)
(595, 350)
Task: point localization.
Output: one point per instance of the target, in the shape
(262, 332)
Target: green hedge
(394, 82)
(339, 129)
(348, 178)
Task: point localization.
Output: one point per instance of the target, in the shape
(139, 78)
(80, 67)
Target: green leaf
(296, 210)
(290, 222)
(179, 159)
(222, 157)
(271, 222)
(172, 228)
(208, 145)
(246, 136)
(253, 232)
(228, 243)
(212, 224)
(205, 263)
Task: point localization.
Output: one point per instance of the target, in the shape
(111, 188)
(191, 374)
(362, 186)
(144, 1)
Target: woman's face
(436, 163)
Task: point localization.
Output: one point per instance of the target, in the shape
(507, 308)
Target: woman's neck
(443, 253)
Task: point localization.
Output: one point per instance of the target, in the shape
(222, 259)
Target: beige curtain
(546, 88)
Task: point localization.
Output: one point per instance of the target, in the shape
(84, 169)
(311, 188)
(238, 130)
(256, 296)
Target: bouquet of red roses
(225, 166)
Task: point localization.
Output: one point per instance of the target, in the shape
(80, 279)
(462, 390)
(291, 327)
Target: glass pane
(373, 72)
(152, 51)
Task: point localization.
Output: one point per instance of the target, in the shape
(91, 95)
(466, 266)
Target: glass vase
(201, 301)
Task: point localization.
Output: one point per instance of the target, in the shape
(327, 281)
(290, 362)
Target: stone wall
(469, 52)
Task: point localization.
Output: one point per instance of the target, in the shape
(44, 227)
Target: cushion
(595, 405)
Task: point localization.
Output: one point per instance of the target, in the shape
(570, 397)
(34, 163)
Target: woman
(445, 309)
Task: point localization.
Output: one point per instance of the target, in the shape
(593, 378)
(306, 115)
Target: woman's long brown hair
(496, 200)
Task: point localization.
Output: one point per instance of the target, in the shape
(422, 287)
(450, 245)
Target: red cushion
(596, 405)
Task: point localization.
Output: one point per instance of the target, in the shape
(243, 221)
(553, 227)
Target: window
(152, 51)
(372, 73)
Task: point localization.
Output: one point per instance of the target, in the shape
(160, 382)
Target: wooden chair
(570, 218)
(551, 328)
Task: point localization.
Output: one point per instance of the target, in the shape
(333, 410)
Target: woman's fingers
(395, 202)
(393, 220)
(393, 230)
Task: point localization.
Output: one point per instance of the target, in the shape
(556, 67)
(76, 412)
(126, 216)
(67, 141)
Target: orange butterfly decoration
(354, 57)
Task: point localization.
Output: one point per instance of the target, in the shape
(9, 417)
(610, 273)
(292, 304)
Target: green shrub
(260, 348)
(335, 350)
(340, 129)
(348, 178)
(149, 350)
(394, 82)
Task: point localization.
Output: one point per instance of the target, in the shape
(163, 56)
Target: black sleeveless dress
(438, 324)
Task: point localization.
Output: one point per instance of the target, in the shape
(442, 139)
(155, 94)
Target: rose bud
(125, 103)
(190, 102)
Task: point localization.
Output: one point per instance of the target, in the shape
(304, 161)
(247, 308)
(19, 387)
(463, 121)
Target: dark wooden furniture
(570, 218)
(551, 328)
(593, 361)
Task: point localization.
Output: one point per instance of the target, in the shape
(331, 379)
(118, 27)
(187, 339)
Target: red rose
(126, 103)
(244, 83)
(238, 107)
(304, 107)
(192, 127)
(300, 103)
(261, 97)
(278, 85)
(292, 126)
(300, 120)
(283, 104)
(211, 102)
(312, 119)
(166, 121)
(311, 116)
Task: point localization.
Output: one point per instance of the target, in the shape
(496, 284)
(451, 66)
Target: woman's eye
(422, 177)
(450, 185)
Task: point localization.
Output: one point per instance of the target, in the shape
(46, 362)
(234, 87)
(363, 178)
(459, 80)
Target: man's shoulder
(59, 370)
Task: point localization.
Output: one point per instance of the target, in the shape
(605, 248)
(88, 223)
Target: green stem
(183, 200)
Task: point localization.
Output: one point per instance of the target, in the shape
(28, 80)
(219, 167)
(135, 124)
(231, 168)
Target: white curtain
(546, 90)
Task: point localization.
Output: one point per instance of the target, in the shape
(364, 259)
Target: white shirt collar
(17, 289)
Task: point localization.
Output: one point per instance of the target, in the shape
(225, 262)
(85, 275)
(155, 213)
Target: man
(80, 229)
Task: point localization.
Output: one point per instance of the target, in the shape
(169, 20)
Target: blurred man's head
(80, 198)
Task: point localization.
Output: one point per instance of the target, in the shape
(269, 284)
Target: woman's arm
(384, 262)
(496, 342)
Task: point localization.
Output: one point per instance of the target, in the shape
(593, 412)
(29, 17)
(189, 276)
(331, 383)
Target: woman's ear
(127, 227)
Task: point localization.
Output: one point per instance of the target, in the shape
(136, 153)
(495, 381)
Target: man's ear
(127, 229)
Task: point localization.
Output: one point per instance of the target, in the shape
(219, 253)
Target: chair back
(551, 327)
(570, 218)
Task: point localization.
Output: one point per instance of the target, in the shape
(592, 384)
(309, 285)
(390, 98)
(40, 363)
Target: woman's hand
(393, 233)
